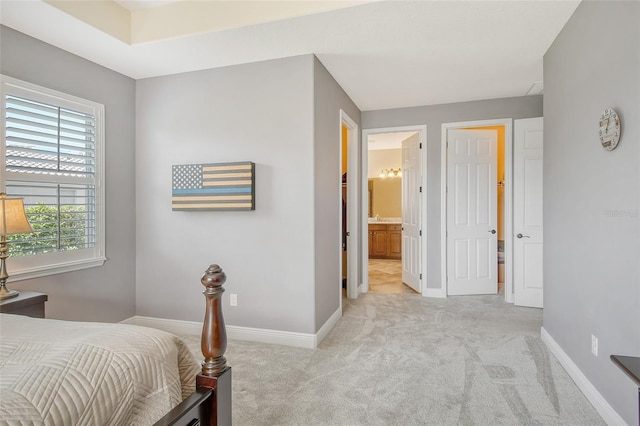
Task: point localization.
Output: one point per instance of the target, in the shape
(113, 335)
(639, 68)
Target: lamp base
(5, 293)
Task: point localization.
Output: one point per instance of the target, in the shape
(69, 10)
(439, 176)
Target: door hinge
(420, 276)
(420, 145)
(421, 232)
(420, 189)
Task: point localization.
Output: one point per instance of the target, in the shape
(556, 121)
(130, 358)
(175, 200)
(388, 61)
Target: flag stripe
(237, 190)
(214, 198)
(213, 202)
(212, 206)
(220, 175)
(212, 168)
(226, 183)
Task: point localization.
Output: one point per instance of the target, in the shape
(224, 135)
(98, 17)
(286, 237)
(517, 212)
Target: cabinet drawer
(377, 227)
(394, 227)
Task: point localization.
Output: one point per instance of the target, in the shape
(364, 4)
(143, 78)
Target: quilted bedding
(79, 373)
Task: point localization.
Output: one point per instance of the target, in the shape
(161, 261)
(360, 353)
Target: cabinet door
(379, 243)
(377, 240)
(394, 237)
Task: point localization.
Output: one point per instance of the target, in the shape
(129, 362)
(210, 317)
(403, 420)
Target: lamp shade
(13, 219)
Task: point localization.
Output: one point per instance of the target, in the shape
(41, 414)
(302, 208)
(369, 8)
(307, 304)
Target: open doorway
(384, 182)
(393, 175)
(349, 270)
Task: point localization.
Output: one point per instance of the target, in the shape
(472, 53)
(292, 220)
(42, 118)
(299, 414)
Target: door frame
(364, 202)
(508, 200)
(352, 208)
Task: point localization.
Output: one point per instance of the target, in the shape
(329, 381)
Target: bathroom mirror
(385, 197)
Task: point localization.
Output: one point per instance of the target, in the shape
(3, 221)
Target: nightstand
(27, 303)
(631, 366)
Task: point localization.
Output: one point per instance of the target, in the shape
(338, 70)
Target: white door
(411, 212)
(472, 212)
(527, 212)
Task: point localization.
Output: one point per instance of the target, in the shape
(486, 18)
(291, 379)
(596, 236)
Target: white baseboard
(168, 325)
(277, 337)
(606, 411)
(434, 292)
(327, 327)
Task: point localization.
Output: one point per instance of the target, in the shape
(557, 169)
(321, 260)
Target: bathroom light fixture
(385, 173)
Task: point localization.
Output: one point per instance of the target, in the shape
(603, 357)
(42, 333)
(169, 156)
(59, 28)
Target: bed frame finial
(214, 335)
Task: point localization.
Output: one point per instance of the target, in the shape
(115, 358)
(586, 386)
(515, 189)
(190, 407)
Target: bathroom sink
(385, 220)
(391, 219)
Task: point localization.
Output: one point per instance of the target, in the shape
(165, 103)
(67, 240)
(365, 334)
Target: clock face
(610, 129)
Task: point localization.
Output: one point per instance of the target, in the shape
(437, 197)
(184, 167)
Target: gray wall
(591, 219)
(260, 112)
(105, 293)
(434, 116)
(329, 98)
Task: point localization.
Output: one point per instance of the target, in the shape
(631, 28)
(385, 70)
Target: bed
(78, 373)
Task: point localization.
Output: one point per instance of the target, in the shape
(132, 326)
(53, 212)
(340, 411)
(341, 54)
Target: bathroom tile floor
(385, 276)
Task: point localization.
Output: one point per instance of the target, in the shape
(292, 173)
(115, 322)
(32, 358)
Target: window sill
(60, 268)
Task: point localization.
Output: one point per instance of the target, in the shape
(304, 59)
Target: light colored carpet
(401, 359)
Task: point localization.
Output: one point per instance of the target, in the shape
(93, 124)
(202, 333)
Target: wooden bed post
(215, 372)
(210, 404)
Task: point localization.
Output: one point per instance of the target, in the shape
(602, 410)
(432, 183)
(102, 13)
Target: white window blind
(52, 159)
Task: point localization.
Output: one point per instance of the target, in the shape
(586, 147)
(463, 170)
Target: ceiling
(143, 4)
(384, 54)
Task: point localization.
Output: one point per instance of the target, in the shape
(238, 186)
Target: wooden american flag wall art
(217, 186)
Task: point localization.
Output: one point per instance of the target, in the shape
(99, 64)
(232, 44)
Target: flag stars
(187, 176)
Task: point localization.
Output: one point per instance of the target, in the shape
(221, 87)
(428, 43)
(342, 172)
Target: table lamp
(13, 220)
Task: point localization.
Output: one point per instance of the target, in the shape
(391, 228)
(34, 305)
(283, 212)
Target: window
(52, 156)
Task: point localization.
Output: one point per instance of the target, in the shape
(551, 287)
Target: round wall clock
(610, 129)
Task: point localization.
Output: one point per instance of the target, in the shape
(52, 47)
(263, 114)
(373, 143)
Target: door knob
(522, 236)
(493, 231)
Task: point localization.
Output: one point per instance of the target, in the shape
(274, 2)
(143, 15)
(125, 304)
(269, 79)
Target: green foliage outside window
(50, 233)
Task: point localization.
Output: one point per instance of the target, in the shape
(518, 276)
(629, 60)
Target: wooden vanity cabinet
(385, 241)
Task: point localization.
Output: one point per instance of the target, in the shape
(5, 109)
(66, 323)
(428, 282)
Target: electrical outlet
(233, 299)
(594, 345)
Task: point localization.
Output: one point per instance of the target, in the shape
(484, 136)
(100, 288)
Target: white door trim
(364, 155)
(508, 201)
(352, 207)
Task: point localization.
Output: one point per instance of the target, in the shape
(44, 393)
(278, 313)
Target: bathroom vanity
(385, 240)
